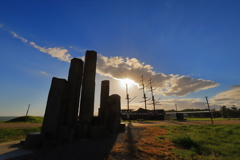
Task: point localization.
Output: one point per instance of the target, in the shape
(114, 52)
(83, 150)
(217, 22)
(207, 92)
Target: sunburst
(127, 81)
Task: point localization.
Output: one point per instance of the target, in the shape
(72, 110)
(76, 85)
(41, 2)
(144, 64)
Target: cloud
(44, 73)
(188, 103)
(168, 85)
(58, 52)
(78, 50)
(235, 86)
(16, 36)
(183, 85)
(230, 97)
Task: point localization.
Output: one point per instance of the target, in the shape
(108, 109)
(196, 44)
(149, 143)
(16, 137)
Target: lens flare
(128, 82)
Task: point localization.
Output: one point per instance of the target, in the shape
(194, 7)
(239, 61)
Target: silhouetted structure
(104, 107)
(75, 83)
(114, 113)
(144, 114)
(180, 116)
(61, 122)
(88, 91)
(56, 107)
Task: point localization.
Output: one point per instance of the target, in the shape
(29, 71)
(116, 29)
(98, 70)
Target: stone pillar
(88, 91)
(102, 114)
(114, 113)
(75, 82)
(56, 107)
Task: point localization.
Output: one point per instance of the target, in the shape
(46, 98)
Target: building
(195, 114)
(143, 114)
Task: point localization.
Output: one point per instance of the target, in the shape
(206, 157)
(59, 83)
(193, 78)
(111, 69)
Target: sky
(189, 49)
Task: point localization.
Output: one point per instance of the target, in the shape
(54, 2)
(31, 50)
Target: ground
(23, 125)
(131, 144)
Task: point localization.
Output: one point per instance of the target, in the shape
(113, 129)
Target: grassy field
(23, 119)
(220, 142)
(12, 134)
(187, 119)
(209, 119)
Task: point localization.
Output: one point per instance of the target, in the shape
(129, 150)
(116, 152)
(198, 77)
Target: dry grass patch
(153, 144)
(145, 143)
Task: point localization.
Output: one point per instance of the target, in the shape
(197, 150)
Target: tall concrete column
(75, 82)
(56, 107)
(88, 90)
(103, 110)
(114, 112)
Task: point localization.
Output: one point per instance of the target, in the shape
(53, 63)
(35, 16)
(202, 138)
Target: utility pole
(28, 109)
(144, 95)
(176, 107)
(209, 109)
(221, 112)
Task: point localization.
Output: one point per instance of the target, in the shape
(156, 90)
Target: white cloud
(58, 52)
(168, 85)
(235, 86)
(230, 97)
(16, 36)
(183, 85)
(189, 103)
(78, 50)
(44, 73)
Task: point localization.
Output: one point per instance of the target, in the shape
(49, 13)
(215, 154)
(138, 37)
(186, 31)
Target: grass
(29, 119)
(137, 121)
(209, 119)
(204, 119)
(205, 141)
(188, 119)
(12, 134)
(144, 146)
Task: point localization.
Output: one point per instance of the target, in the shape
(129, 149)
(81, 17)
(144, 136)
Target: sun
(127, 81)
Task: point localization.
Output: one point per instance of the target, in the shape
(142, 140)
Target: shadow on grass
(186, 142)
(131, 143)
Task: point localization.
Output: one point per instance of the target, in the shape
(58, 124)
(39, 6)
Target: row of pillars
(63, 121)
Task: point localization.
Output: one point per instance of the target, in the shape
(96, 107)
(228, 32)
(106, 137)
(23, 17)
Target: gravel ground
(97, 149)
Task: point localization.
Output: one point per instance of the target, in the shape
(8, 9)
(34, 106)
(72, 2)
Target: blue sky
(189, 48)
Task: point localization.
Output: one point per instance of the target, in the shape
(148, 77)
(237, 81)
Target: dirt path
(184, 123)
(19, 125)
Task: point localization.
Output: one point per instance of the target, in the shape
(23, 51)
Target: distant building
(144, 114)
(194, 114)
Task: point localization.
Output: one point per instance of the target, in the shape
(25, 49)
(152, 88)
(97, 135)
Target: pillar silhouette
(75, 82)
(114, 113)
(103, 110)
(87, 94)
(56, 107)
